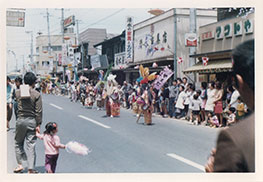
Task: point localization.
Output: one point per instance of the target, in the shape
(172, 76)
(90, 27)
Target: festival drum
(115, 109)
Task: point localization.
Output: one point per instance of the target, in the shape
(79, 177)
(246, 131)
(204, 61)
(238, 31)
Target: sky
(112, 19)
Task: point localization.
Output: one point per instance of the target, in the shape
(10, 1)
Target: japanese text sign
(163, 77)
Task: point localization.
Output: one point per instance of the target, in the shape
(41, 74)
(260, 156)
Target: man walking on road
(235, 151)
(29, 120)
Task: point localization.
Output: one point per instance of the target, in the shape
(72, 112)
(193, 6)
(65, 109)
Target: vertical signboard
(129, 40)
(64, 55)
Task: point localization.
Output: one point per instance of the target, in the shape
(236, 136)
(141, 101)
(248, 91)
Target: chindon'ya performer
(89, 101)
(145, 104)
(112, 98)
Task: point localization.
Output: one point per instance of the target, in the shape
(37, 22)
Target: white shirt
(188, 95)
(196, 104)
(233, 101)
(191, 98)
(210, 100)
(180, 100)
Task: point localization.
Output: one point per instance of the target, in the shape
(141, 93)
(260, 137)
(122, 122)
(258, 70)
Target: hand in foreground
(38, 129)
(209, 167)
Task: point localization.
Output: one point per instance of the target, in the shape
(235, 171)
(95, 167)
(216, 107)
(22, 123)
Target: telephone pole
(49, 42)
(192, 50)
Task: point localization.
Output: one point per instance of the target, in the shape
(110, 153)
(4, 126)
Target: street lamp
(15, 57)
(31, 51)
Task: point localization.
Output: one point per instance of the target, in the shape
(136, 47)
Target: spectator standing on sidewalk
(235, 149)
(127, 89)
(9, 101)
(209, 107)
(203, 97)
(18, 82)
(173, 95)
(28, 122)
(179, 107)
(219, 103)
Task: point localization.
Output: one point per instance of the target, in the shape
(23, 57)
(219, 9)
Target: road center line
(95, 122)
(60, 108)
(184, 160)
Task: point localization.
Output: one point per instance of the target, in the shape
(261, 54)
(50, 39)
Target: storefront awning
(213, 66)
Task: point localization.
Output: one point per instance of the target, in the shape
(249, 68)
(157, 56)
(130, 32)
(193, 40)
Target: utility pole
(175, 40)
(63, 41)
(49, 42)
(192, 50)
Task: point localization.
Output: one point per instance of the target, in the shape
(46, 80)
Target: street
(119, 145)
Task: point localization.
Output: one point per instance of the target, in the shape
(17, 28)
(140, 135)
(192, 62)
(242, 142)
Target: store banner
(129, 40)
(162, 78)
(64, 54)
(120, 61)
(95, 61)
(191, 40)
(77, 57)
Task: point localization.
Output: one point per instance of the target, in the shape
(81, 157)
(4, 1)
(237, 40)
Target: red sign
(190, 40)
(207, 35)
(59, 59)
(69, 21)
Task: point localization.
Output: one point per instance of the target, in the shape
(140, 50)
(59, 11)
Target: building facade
(155, 39)
(52, 63)
(217, 40)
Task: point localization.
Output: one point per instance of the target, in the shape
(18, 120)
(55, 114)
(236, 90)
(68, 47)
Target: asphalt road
(119, 145)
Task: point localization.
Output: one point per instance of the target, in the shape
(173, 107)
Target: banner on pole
(163, 77)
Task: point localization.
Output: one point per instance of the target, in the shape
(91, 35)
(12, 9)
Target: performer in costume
(112, 97)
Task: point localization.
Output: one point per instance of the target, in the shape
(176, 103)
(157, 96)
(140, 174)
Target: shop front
(217, 41)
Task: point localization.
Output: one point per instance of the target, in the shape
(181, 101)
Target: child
(213, 120)
(52, 145)
(196, 106)
(241, 110)
(232, 117)
(180, 103)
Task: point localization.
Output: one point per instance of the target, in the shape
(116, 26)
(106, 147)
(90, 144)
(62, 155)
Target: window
(53, 48)
(37, 50)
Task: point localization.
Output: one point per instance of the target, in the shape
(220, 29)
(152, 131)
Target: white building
(154, 38)
(45, 63)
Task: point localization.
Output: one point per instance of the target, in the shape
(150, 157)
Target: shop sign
(190, 40)
(119, 60)
(228, 30)
(95, 61)
(238, 28)
(59, 59)
(64, 55)
(69, 21)
(208, 35)
(219, 32)
(129, 40)
(248, 26)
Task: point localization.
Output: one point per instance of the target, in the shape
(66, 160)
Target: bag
(24, 91)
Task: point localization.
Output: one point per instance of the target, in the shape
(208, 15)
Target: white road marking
(60, 108)
(184, 160)
(95, 122)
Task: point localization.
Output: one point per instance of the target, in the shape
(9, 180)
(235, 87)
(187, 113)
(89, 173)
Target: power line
(104, 18)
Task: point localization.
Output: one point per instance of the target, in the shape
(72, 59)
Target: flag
(205, 60)
(179, 60)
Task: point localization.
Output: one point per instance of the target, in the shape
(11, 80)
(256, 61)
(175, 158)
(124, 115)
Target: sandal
(32, 171)
(18, 169)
